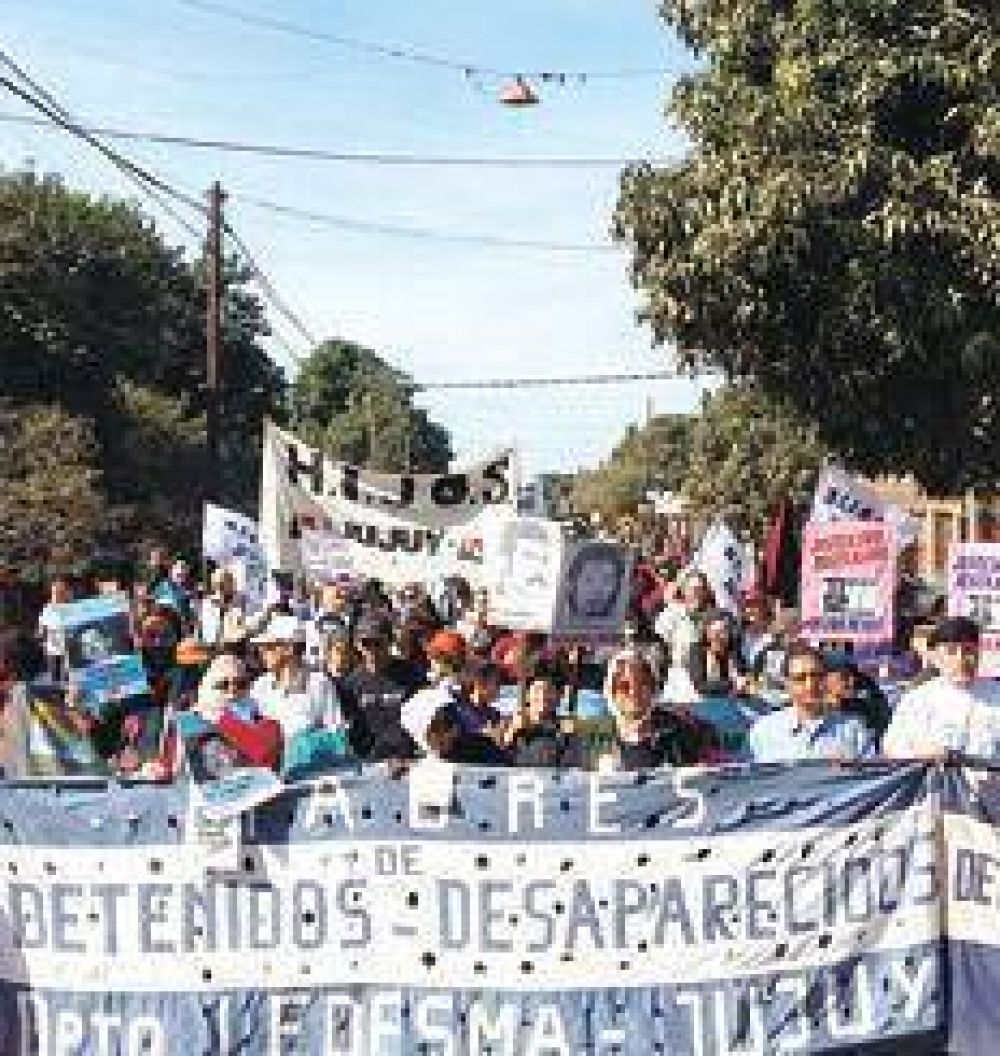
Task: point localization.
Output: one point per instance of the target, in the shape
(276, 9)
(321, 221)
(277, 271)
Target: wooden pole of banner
(213, 329)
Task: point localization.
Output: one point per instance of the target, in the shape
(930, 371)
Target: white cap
(281, 628)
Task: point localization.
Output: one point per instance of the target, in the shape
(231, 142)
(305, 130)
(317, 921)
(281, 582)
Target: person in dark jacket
(647, 737)
(448, 740)
(535, 737)
(852, 692)
(373, 696)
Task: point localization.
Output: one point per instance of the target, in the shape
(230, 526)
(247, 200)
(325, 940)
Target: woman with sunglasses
(223, 729)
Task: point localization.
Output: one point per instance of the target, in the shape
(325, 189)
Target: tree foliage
(102, 319)
(737, 457)
(834, 232)
(351, 403)
(52, 507)
(653, 456)
(748, 452)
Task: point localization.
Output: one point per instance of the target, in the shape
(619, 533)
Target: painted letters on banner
(849, 582)
(393, 523)
(974, 591)
(807, 909)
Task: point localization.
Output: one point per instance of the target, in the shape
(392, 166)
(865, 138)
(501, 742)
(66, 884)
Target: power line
(344, 223)
(539, 383)
(270, 150)
(413, 55)
(152, 185)
(268, 288)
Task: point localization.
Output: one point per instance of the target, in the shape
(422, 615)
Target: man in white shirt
(679, 625)
(955, 712)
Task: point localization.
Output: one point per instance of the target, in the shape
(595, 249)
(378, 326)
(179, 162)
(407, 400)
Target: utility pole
(213, 328)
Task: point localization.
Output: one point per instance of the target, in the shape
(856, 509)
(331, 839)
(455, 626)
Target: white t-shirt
(310, 702)
(940, 715)
(53, 638)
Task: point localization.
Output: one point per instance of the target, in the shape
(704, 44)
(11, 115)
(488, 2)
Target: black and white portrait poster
(595, 589)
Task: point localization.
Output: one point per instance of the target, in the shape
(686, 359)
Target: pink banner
(849, 582)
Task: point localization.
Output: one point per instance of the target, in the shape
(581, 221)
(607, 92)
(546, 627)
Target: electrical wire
(319, 154)
(268, 288)
(539, 383)
(412, 55)
(344, 223)
(152, 185)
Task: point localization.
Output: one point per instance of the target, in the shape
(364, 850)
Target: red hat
(259, 742)
(446, 645)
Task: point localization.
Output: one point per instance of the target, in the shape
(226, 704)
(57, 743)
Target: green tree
(52, 507)
(748, 451)
(834, 232)
(351, 403)
(653, 456)
(99, 316)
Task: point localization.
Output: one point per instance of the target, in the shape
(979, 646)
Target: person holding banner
(644, 737)
(807, 729)
(953, 713)
(52, 636)
(299, 699)
(374, 694)
(535, 736)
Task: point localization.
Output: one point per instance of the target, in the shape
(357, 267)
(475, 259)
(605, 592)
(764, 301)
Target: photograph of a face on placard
(850, 597)
(595, 591)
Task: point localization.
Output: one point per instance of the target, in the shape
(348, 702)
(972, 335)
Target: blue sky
(438, 310)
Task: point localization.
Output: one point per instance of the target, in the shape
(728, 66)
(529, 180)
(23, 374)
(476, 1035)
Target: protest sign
(842, 497)
(849, 582)
(723, 559)
(102, 665)
(541, 581)
(325, 555)
(227, 534)
(393, 524)
(812, 909)
(974, 591)
(595, 589)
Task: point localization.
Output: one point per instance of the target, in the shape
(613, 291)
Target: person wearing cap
(222, 729)
(446, 652)
(954, 712)
(807, 728)
(298, 699)
(373, 696)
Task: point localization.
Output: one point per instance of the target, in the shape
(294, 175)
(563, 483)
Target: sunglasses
(229, 683)
(807, 676)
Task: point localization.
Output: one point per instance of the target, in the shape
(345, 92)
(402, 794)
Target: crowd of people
(352, 672)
